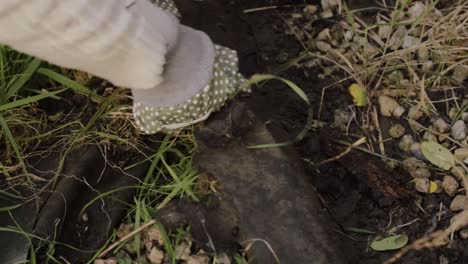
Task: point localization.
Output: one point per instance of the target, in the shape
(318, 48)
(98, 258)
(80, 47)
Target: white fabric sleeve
(122, 41)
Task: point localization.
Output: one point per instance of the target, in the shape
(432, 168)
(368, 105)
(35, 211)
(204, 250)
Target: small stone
(414, 113)
(349, 35)
(223, 258)
(329, 4)
(460, 73)
(405, 143)
(341, 119)
(440, 186)
(440, 125)
(459, 172)
(323, 46)
(443, 137)
(152, 235)
(450, 185)
(397, 38)
(198, 259)
(410, 42)
(182, 251)
(461, 153)
(422, 185)
(428, 136)
(453, 113)
(324, 34)
(423, 54)
(155, 256)
(416, 168)
(416, 149)
(310, 9)
(84, 217)
(387, 105)
(396, 131)
(399, 111)
(326, 14)
(105, 261)
(427, 66)
(459, 203)
(458, 131)
(464, 233)
(416, 10)
(465, 116)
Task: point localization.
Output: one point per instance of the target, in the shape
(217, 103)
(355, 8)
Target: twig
(265, 8)
(121, 240)
(433, 240)
(346, 151)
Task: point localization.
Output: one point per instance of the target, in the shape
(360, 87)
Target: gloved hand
(197, 80)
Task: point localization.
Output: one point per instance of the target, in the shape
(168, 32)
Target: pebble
(310, 9)
(410, 42)
(326, 14)
(406, 142)
(423, 54)
(324, 34)
(387, 105)
(459, 172)
(422, 185)
(464, 233)
(396, 40)
(440, 125)
(459, 203)
(460, 73)
(415, 113)
(200, 259)
(461, 153)
(458, 131)
(416, 168)
(416, 150)
(155, 256)
(443, 137)
(349, 35)
(416, 10)
(323, 46)
(427, 66)
(396, 131)
(223, 259)
(341, 119)
(450, 185)
(428, 136)
(328, 4)
(399, 111)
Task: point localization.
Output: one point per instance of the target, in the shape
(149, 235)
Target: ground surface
(263, 45)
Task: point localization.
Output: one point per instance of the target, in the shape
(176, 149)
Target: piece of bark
(368, 169)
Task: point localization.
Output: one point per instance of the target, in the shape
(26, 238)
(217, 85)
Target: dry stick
(375, 118)
(134, 232)
(433, 240)
(346, 151)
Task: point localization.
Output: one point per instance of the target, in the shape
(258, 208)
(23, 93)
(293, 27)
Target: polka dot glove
(225, 83)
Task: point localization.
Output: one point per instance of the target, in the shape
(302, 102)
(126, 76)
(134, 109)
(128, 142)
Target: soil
(263, 46)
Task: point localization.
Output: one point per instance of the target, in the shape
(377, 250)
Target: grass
(26, 130)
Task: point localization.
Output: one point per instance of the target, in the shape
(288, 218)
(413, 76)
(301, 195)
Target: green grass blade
(28, 100)
(14, 145)
(68, 82)
(23, 78)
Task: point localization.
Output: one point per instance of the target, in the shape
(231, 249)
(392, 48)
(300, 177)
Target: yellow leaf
(359, 94)
(433, 187)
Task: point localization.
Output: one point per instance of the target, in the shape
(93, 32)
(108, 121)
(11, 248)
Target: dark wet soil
(263, 46)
